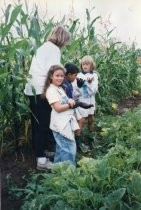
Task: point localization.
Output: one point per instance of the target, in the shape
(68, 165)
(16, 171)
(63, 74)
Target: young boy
(71, 73)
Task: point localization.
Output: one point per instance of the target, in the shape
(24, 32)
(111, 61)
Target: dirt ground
(14, 166)
(18, 165)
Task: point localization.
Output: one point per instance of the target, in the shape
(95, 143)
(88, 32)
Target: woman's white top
(63, 122)
(86, 93)
(46, 55)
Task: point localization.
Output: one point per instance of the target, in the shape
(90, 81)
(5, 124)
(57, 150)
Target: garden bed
(15, 166)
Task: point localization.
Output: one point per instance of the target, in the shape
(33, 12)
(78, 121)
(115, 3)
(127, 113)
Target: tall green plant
(20, 36)
(22, 33)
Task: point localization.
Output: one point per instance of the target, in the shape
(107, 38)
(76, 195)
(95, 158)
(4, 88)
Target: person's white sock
(41, 160)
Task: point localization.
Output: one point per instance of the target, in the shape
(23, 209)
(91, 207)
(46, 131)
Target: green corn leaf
(15, 14)
(13, 18)
(7, 12)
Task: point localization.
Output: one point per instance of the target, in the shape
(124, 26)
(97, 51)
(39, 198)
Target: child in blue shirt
(71, 73)
(70, 76)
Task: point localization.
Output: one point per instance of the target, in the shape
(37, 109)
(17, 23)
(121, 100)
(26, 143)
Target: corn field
(21, 34)
(108, 180)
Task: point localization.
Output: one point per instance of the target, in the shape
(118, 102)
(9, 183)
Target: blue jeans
(65, 149)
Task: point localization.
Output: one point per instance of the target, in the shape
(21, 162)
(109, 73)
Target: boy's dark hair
(71, 68)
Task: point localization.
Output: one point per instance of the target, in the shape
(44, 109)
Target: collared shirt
(63, 122)
(86, 93)
(67, 86)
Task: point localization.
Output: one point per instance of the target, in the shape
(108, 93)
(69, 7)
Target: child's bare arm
(63, 107)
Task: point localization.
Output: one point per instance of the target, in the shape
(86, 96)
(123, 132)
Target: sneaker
(45, 166)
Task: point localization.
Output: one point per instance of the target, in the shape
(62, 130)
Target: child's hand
(89, 80)
(82, 105)
(80, 82)
(71, 102)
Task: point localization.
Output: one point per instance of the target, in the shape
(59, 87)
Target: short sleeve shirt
(63, 122)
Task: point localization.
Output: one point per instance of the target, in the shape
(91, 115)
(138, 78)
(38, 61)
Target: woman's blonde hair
(59, 36)
(88, 59)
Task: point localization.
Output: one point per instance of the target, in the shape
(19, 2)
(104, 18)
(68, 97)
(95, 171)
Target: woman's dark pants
(42, 137)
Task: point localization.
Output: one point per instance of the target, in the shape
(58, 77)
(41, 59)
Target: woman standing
(47, 54)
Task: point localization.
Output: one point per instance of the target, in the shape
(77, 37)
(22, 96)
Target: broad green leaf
(112, 201)
(102, 170)
(134, 187)
(3, 75)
